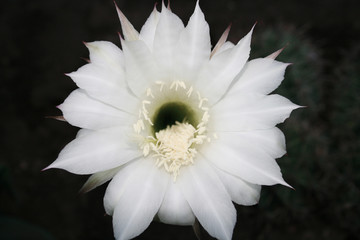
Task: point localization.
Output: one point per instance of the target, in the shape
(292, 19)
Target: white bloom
(181, 130)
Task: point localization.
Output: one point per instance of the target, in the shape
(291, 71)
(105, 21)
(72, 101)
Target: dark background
(41, 40)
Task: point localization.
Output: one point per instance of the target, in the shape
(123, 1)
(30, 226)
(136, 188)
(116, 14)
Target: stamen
(161, 84)
(201, 100)
(149, 93)
(189, 92)
(138, 126)
(177, 84)
(173, 148)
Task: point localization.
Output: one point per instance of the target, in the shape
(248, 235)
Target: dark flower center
(170, 113)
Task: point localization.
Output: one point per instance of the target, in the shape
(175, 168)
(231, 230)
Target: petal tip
(59, 118)
(46, 168)
(128, 29)
(275, 54)
(155, 6)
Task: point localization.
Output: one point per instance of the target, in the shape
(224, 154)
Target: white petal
(166, 37)
(85, 112)
(98, 179)
(216, 77)
(262, 75)
(106, 54)
(272, 141)
(128, 30)
(147, 33)
(208, 199)
(174, 208)
(241, 192)
(244, 161)
(141, 70)
(193, 48)
(97, 151)
(250, 112)
(105, 85)
(221, 41)
(83, 132)
(227, 45)
(134, 196)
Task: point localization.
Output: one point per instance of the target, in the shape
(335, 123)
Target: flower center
(172, 112)
(172, 125)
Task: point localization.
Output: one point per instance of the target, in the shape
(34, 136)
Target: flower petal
(166, 37)
(98, 179)
(221, 41)
(128, 30)
(97, 151)
(134, 196)
(240, 191)
(107, 55)
(262, 75)
(105, 85)
(244, 161)
(194, 46)
(215, 78)
(227, 45)
(272, 141)
(208, 199)
(147, 33)
(174, 208)
(275, 54)
(141, 70)
(82, 111)
(250, 112)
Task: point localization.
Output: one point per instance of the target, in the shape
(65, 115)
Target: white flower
(182, 130)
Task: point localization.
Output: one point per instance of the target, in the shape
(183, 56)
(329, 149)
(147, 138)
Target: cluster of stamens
(175, 145)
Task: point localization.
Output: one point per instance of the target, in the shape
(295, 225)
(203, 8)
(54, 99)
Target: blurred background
(41, 40)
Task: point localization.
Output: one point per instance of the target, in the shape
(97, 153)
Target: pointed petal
(147, 33)
(134, 196)
(166, 37)
(82, 111)
(105, 85)
(221, 41)
(97, 151)
(106, 55)
(240, 191)
(244, 161)
(208, 199)
(215, 78)
(141, 70)
(193, 48)
(274, 55)
(250, 112)
(128, 30)
(174, 208)
(262, 75)
(98, 179)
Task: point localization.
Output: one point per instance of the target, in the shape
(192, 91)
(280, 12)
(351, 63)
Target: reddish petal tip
(120, 36)
(46, 168)
(85, 59)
